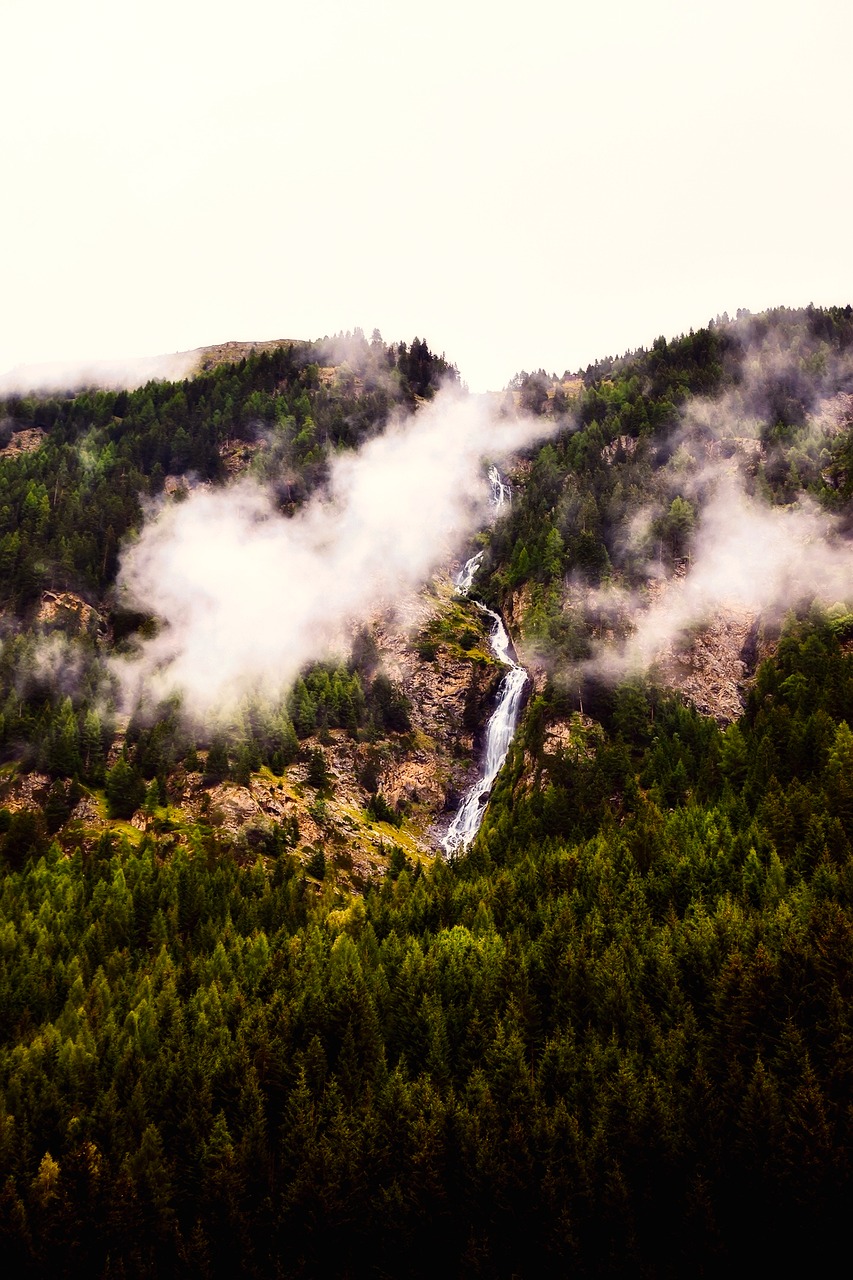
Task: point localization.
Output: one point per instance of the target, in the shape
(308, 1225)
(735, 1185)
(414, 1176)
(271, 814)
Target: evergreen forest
(613, 1036)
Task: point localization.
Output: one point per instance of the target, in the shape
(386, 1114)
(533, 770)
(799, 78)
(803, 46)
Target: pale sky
(524, 185)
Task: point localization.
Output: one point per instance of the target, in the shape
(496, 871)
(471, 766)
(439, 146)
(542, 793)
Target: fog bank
(247, 596)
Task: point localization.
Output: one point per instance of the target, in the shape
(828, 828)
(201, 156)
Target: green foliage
(329, 697)
(660, 1001)
(316, 864)
(216, 765)
(389, 706)
(65, 508)
(606, 494)
(380, 810)
(612, 1038)
(318, 770)
(124, 788)
(675, 528)
(24, 838)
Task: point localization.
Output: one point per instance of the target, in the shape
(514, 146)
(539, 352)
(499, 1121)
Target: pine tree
(125, 789)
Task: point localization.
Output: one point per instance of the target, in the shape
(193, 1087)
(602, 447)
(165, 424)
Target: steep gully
(502, 723)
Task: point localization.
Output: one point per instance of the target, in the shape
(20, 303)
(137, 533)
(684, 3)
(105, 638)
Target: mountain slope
(611, 1037)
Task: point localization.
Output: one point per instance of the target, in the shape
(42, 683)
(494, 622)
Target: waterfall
(501, 491)
(504, 718)
(465, 576)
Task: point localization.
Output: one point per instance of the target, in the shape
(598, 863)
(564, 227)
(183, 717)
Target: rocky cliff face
(435, 648)
(712, 667)
(710, 664)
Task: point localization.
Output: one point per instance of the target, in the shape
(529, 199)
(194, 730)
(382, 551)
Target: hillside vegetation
(615, 1035)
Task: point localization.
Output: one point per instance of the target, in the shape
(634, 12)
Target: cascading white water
(465, 576)
(504, 718)
(499, 734)
(501, 491)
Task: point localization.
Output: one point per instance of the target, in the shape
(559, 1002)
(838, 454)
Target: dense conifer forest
(614, 1036)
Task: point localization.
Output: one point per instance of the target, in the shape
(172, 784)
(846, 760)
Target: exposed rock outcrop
(71, 613)
(24, 791)
(26, 441)
(450, 691)
(710, 668)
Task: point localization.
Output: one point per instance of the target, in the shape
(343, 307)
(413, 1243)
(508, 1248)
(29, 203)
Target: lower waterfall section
(499, 731)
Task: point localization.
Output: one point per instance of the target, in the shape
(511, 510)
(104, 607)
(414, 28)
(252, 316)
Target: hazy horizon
(520, 189)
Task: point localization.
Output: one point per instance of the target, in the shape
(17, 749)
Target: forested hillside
(614, 1036)
(75, 478)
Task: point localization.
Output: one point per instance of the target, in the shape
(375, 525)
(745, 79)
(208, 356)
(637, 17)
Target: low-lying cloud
(745, 556)
(247, 597)
(788, 399)
(62, 376)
